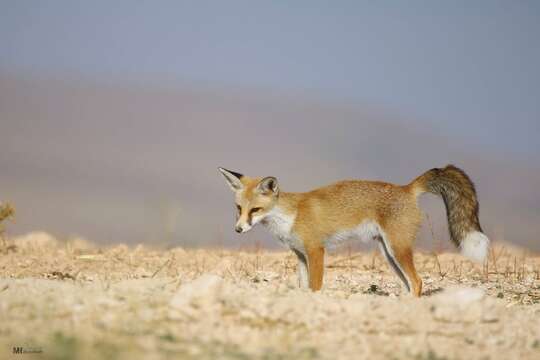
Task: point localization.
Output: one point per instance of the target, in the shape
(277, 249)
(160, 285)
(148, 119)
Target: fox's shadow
(375, 290)
(431, 292)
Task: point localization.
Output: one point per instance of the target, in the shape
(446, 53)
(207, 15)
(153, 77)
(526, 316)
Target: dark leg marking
(393, 263)
(301, 256)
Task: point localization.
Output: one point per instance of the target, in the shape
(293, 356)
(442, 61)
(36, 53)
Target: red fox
(370, 210)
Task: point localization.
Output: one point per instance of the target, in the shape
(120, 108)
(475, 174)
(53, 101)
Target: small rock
(459, 305)
(266, 276)
(200, 292)
(142, 273)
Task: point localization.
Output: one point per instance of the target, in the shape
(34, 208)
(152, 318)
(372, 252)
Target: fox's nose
(238, 229)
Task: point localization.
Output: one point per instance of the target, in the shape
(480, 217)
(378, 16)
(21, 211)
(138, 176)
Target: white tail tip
(475, 246)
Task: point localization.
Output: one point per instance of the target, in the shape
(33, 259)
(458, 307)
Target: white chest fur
(280, 225)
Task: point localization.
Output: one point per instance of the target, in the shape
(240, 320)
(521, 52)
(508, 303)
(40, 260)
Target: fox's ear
(233, 179)
(268, 185)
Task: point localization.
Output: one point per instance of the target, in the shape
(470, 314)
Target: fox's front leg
(302, 270)
(315, 262)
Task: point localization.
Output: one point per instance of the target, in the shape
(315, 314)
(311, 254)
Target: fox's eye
(254, 210)
(239, 208)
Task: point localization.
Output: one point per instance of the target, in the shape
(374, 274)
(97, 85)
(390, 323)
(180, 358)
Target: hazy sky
(470, 68)
(114, 115)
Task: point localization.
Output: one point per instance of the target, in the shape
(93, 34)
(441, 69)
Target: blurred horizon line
(255, 94)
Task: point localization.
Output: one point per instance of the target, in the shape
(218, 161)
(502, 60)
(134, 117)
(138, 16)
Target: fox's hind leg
(405, 259)
(400, 257)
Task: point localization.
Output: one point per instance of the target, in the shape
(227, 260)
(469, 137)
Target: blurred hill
(135, 162)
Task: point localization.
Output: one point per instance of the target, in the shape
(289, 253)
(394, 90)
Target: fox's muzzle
(242, 228)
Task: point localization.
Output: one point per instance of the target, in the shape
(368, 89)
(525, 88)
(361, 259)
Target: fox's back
(347, 203)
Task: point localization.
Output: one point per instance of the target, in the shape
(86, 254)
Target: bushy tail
(459, 195)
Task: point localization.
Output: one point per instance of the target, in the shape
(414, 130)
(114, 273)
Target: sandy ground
(73, 300)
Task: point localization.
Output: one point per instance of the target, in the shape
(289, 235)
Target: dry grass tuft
(7, 212)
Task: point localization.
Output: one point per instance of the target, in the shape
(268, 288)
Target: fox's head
(254, 198)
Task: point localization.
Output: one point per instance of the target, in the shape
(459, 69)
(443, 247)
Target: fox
(388, 214)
